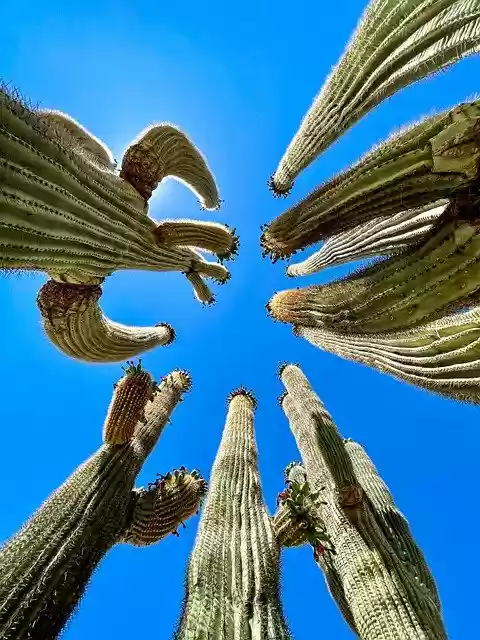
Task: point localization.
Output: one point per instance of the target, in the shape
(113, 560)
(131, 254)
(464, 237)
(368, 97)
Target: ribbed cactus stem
(162, 151)
(62, 211)
(67, 127)
(208, 236)
(378, 237)
(132, 392)
(75, 324)
(232, 590)
(202, 291)
(441, 356)
(161, 508)
(45, 568)
(384, 596)
(392, 522)
(421, 164)
(441, 275)
(395, 44)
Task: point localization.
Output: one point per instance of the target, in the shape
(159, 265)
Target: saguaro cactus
(46, 566)
(422, 284)
(375, 570)
(441, 356)
(421, 164)
(232, 588)
(396, 43)
(65, 211)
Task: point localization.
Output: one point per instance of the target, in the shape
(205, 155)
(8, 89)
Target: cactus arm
(61, 211)
(163, 150)
(160, 509)
(421, 164)
(381, 236)
(441, 356)
(232, 588)
(201, 289)
(420, 285)
(392, 522)
(67, 127)
(46, 566)
(207, 236)
(394, 45)
(380, 591)
(75, 324)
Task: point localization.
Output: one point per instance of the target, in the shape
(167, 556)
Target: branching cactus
(374, 569)
(65, 210)
(441, 356)
(396, 43)
(46, 566)
(379, 237)
(423, 163)
(232, 588)
(439, 276)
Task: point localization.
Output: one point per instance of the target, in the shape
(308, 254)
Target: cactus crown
(242, 391)
(132, 367)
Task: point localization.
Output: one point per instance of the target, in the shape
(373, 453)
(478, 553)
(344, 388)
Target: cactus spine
(45, 567)
(379, 575)
(65, 211)
(232, 589)
(396, 43)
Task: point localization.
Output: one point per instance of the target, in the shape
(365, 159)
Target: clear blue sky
(237, 79)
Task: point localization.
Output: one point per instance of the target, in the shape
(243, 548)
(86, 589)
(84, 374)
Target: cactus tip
(173, 334)
(278, 192)
(242, 391)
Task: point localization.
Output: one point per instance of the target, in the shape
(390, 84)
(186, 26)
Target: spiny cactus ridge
(396, 43)
(45, 567)
(377, 574)
(64, 210)
(232, 584)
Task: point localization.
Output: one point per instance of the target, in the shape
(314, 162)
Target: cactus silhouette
(65, 210)
(46, 566)
(374, 569)
(396, 43)
(379, 237)
(232, 586)
(439, 276)
(423, 163)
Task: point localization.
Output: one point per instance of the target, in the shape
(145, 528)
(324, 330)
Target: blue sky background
(237, 79)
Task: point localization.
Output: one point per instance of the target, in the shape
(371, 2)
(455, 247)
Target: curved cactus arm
(393, 523)
(415, 167)
(395, 44)
(379, 589)
(232, 588)
(158, 510)
(200, 287)
(207, 236)
(441, 356)
(422, 284)
(383, 236)
(64, 213)
(75, 324)
(46, 566)
(88, 144)
(163, 150)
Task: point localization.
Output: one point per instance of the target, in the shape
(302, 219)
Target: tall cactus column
(45, 567)
(379, 574)
(232, 589)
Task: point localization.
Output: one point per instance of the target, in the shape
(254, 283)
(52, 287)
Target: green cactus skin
(379, 237)
(441, 356)
(421, 164)
(232, 586)
(45, 568)
(383, 591)
(75, 324)
(63, 211)
(208, 236)
(396, 43)
(427, 282)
